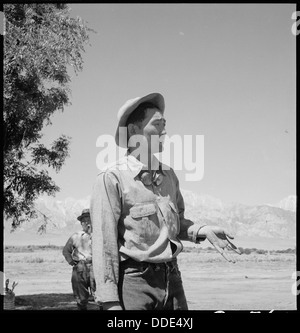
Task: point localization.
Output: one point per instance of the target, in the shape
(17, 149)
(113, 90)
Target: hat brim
(121, 136)
(79, 218)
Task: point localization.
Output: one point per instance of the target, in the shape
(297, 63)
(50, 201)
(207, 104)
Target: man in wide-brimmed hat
(138, 218)
(78, 253)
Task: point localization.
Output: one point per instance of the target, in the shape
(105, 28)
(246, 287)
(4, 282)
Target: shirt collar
(135, 166)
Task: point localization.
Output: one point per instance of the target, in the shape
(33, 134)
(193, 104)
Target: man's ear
(131, 129)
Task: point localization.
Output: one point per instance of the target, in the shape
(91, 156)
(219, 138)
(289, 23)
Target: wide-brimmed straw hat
(124, 112)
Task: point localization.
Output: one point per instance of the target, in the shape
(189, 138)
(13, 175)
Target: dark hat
(85, 213)
(156, 98)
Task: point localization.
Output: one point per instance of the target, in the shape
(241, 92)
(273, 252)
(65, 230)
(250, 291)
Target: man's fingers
(234, 249)
(231, 246)
(224, 253)
(222, 244)
(227, 257)
(229, 235)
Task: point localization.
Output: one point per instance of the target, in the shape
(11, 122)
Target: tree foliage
(42, 43)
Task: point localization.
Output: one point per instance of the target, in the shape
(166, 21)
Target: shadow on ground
(49, 302)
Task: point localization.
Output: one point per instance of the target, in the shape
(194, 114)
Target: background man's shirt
(78, 247)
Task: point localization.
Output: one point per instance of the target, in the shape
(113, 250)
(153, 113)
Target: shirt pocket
(144, 222)
(141, 210)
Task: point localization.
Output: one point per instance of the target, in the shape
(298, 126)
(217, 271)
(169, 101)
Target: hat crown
(85, 211)
(126, 105)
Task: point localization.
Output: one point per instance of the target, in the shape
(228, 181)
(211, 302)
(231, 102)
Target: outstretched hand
(219, 238)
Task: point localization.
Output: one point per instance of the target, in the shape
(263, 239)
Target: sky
(227, 73)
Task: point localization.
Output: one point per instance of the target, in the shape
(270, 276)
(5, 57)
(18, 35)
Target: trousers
(83, 283)
(149, 286)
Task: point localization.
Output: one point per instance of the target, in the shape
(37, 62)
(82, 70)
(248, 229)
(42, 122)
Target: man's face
(153, 128)
(86, 224)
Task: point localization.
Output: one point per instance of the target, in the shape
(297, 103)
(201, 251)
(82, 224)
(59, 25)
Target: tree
(41, 44)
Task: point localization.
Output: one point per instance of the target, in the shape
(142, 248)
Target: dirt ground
(260, 283)
(254, 282)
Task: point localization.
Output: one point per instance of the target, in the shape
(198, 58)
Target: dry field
(255, 282)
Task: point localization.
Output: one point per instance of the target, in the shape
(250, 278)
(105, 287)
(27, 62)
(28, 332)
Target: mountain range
(265, 220)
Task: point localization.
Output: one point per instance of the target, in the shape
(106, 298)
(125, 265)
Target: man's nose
(163, 129)
(163, 132)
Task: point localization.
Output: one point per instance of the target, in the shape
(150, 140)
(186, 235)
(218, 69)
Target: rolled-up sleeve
(68, 249)
(105, 213)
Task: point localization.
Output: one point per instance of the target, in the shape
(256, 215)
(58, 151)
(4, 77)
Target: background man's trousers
(83, 283)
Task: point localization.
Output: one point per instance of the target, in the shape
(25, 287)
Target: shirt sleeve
(188, 229)
(68, 249)
(105, 211)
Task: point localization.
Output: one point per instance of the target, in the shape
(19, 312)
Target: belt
(86, 261)
(144, 264)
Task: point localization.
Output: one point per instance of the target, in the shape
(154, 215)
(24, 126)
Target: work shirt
(78, 247)
(133, 220)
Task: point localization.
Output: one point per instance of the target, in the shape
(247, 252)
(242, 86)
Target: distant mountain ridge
(288, 203)
(244, 220)
(264, 220)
